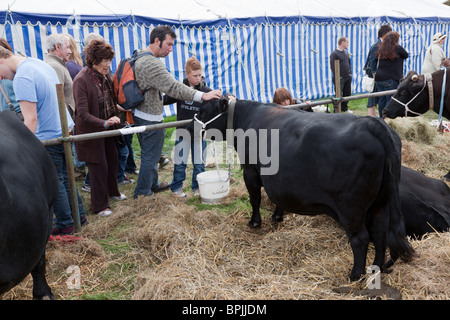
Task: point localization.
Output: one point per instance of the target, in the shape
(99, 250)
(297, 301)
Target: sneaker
(85, 187)
(105, 213)
(197, 193)
(125, 181)
(179, 194)
(349, 111)
(163, 162)
(162, 187)
(120, 198)
(62, 232)
(83, 220)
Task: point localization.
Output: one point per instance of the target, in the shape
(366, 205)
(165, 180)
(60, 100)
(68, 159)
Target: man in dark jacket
(371, 67)
(341, 54)
(184, 142)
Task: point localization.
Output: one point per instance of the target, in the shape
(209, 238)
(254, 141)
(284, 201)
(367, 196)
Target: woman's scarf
(108, 106)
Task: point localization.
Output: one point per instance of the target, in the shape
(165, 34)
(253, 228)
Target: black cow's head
(212, 115)
(411, 98)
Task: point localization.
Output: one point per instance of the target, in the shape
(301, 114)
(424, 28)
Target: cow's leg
(359, 243)
(277, 216)
(378, 228)
(253, 184)
(41, 290)
(358, 235)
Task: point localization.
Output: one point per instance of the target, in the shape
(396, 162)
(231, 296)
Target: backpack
(125, 87)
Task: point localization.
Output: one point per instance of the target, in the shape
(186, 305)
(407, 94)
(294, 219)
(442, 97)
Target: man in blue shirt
(34, 84)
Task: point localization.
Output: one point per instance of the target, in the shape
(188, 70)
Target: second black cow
(425, 203)
(345, 166)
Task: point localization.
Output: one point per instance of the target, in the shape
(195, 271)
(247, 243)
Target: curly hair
(96, 51)
(387, 47)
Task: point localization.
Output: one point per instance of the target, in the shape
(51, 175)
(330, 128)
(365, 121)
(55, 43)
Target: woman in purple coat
(96, 111)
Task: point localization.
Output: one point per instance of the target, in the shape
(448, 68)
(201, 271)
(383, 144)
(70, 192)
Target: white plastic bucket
(212, 188)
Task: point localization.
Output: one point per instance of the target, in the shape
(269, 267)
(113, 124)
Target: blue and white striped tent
(244, 50)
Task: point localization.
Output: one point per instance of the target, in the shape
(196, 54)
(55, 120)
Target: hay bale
(417, 129)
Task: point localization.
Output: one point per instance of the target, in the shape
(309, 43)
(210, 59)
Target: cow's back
(29, 186)
(332, 155)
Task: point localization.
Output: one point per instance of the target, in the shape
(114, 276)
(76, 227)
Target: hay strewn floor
(163, 248)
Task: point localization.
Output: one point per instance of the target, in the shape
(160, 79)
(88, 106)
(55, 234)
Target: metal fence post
(337, 85)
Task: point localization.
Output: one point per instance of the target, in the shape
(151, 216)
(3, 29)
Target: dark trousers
(103, 176)
(346, 91)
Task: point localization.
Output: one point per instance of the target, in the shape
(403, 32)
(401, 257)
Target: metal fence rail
(66, 139)
(119, 132)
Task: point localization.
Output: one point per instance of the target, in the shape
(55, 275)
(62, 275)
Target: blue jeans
(131, 165)
(122, 151)
(151, 143)
(385, 86)
(78, 164)
(181, 155)
(373, 101)
(62, 207)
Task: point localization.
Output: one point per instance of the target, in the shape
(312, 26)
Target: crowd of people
(385, 61)
(27, 87)
(384, 64)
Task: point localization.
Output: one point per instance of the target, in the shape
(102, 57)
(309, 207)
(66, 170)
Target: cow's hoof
(276, 218)
(355, 276)
(254, 225)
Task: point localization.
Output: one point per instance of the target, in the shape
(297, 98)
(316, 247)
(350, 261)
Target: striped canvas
(250, 58)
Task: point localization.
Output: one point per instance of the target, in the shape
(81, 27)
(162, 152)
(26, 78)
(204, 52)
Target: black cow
(28, 186)
(413, 97)
(342, 165)
(416, 94)
(425, 203)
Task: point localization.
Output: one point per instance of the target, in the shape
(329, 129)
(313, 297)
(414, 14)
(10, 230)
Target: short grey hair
(92, 36)
(54, 39)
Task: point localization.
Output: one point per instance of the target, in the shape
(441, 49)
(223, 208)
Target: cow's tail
(396, 241)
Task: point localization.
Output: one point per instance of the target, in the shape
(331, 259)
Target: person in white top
(435, 54)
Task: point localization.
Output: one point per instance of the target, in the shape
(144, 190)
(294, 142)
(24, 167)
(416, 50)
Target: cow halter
(231, 106)
(427, 82)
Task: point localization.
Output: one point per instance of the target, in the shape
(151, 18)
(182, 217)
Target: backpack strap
(136, 55)
(7, 99)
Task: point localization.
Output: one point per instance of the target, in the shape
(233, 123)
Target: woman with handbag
(96, 111)
(390, 67)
